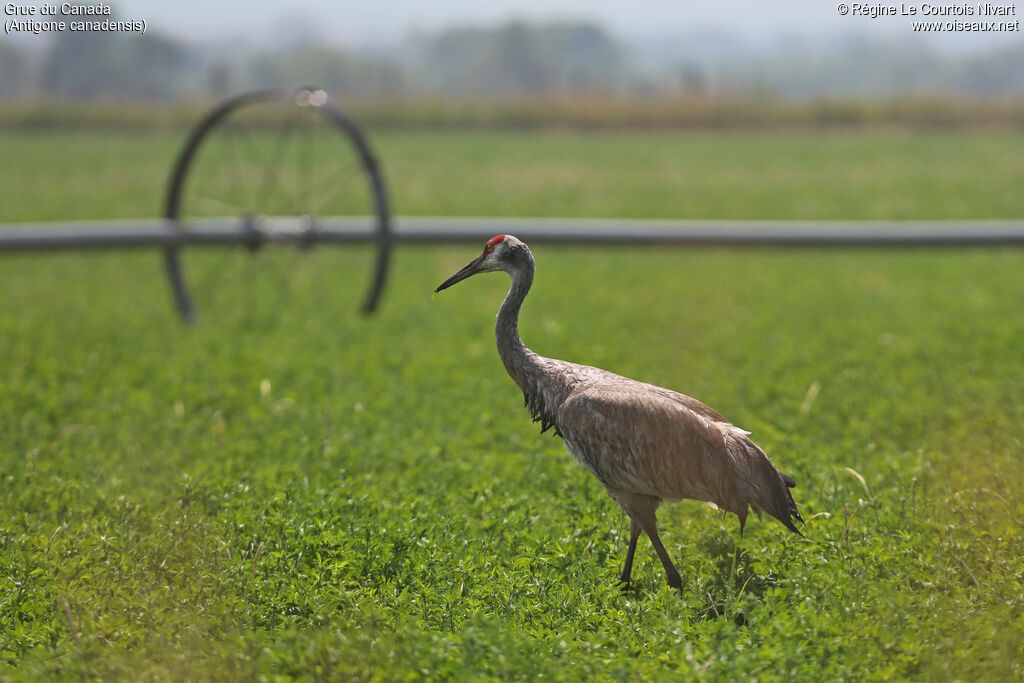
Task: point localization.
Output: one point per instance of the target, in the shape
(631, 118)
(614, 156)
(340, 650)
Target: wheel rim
(273, 161)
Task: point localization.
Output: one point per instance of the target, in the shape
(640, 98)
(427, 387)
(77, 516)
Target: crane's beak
(472, 268)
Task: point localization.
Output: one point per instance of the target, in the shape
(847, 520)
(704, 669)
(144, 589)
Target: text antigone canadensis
(646, 444)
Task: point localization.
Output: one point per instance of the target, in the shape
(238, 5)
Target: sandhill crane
(644, 443)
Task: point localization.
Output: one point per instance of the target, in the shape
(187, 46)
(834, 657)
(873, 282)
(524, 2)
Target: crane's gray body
(644, 443)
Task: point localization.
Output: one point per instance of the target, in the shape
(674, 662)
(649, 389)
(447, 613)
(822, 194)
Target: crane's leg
(642, 512)
(671, 573)
(634, 534)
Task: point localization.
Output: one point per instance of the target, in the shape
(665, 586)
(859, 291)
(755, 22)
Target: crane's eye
(489, 248)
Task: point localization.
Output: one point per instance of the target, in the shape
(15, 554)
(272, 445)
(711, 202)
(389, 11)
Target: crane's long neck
(517, 358)
(543, 388)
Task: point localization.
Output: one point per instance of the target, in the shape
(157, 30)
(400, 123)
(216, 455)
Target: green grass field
(800, 176)
(292, 490)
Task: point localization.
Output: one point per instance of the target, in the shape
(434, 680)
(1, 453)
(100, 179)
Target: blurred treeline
(508, 61)
(519, 74)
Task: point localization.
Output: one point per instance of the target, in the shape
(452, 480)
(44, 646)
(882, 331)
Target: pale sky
(369, 22)
(389, 19)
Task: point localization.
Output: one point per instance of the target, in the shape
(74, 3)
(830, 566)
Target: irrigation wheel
(270, 162)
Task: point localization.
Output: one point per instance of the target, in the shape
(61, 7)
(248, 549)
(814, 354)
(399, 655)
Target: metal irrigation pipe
(427, 230)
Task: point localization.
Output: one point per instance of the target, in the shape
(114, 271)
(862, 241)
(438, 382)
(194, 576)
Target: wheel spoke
(242, 179)
(208, 286)
(218, 205)
(308, 171)
(334, 183)
(256, 158)
(271, 179)
(334, 180)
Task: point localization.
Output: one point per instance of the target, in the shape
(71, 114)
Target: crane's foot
(625, 584)
(675, 581)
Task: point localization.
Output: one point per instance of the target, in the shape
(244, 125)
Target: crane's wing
(638, 438)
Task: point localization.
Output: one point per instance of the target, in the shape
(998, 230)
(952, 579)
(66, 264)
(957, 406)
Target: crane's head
(503, 252)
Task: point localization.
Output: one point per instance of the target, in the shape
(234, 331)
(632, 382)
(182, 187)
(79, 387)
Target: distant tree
(692, 80)
(264, 69)
(339, 72)
(86, 64)
(587, 58)
(13, 71)
(218, 80)
(517, 63)
(1000, 73)
(518, 59)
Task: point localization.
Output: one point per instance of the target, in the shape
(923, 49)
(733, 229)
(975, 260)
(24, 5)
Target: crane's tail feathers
(793, 512)
(790, 510)
(770, 490)
(788, 521)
